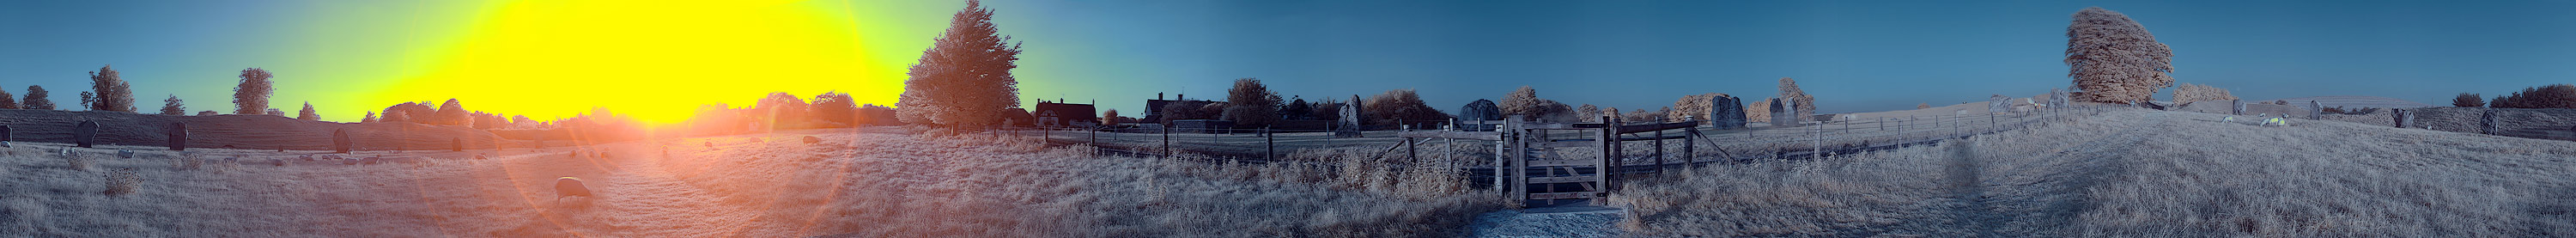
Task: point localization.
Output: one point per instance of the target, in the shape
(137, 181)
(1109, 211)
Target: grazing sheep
(570, 186)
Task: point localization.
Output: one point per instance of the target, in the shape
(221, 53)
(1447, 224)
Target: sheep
(569, 186)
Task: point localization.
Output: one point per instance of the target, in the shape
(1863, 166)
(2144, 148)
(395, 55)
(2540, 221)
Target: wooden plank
(1542, 126)
(1566, 195)
(1632, 129)
(1565, 162)
(1650, 138)
(1569, 144)
(1563, 179)
(1471, 135)
(1489, 122)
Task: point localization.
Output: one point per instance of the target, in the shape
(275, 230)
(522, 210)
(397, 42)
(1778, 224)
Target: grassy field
(870, 182)
(2144, 174)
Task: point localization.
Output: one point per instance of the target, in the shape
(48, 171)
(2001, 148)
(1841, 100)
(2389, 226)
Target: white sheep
(570, 186)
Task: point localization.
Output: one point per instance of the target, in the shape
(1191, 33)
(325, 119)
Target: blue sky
(1853, 55)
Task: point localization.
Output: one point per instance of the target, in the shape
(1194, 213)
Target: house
(1154, 107)
(1059, 114)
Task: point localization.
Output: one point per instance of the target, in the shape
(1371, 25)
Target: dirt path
(2036, 194)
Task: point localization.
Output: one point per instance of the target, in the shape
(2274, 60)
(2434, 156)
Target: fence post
(1095, 142)
(1167, 141)
(1269, 145)
(1689, 140)
(1659, 151)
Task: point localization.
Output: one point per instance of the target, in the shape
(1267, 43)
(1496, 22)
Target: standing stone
(85, 134)
(1350, 124)
(4, 133)
(2316, 111)
(2239, 109)
(178, 136)
(340, 141)
(1480, 110)
(455, 144)
(1781, 113)
(2403, 117)
(2486, 122)
(1726, 112)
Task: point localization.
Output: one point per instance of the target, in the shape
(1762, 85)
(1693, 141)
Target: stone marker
(340, 141)
(85, 134)
(1349, 126)
(2486, 122)
(4, 133)
(2239, 108)
(456, 144)
(1781, 114)
(178, 136)
(1726, 111)
(2403, 117)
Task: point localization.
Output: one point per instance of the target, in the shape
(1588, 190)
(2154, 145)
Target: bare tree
(307, 114)
(251, 96)
(2113, 59)
(1251, 104)
(2469, 100)
(113, 94)
(964, 79)
(173, 106)
(36, 99)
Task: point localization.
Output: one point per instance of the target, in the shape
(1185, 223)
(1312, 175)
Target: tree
(395, 116)
(781, 108)
(307, 114)
(2186, 93)
(371, 117)
(1297, 109)
(1109, 117)
(964, 79)
(1789, 91)
(1327, 110)
(88, 101)
(1922, 106)
(36, 99)
(2469, 100)
(2551, 96)
(1398, 107)
(8, 101)
(1587, 112)
(112, 92)
(173, 106)
(252, 94)
(835, 107)
(2113, 59)
(417, 112)
(1251, 104)
(453, 113)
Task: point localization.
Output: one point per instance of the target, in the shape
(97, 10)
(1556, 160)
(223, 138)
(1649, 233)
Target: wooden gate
(1532, 163)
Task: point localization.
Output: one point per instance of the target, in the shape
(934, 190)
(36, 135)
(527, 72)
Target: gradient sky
(556, 58)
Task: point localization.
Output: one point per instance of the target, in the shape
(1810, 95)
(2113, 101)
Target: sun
(657, 61)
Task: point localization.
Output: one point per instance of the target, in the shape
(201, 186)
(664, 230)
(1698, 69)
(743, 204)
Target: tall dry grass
(2139, 174)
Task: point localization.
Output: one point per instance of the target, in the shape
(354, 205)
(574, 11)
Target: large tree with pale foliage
(964, 79)
(174, 106)
(251, 96)
(2114, 59)
(113, 94)
(308, 114)
(8, 101)
(2186, 93)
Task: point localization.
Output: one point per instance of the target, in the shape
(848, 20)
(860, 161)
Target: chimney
(1158, 96)
(1181, 97)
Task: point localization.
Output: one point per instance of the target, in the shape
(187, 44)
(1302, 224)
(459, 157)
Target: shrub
(36, 99)
(173, 106)
(1327, 109)
(1399, 106)
(307, 114)
(1587, 112)
(113, 94)
(2551, 96)
(252, 94)
(1923, 106)
(2468, 100)
(1109, 117)
(371, 117)
(1523, 102)
(964, 80)
(2114, 59)
(2187, 93)
(1297, 109)
(122, 182)
(1251, 104)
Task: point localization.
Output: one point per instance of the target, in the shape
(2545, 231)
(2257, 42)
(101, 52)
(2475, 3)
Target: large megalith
(340, 141)
(85, 134)
(2316, 111)
(1350, 125)
(455, 144)
(178, 136)
(4, 134)
(1726, 112)
(1479, 110)
(1782, 112)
